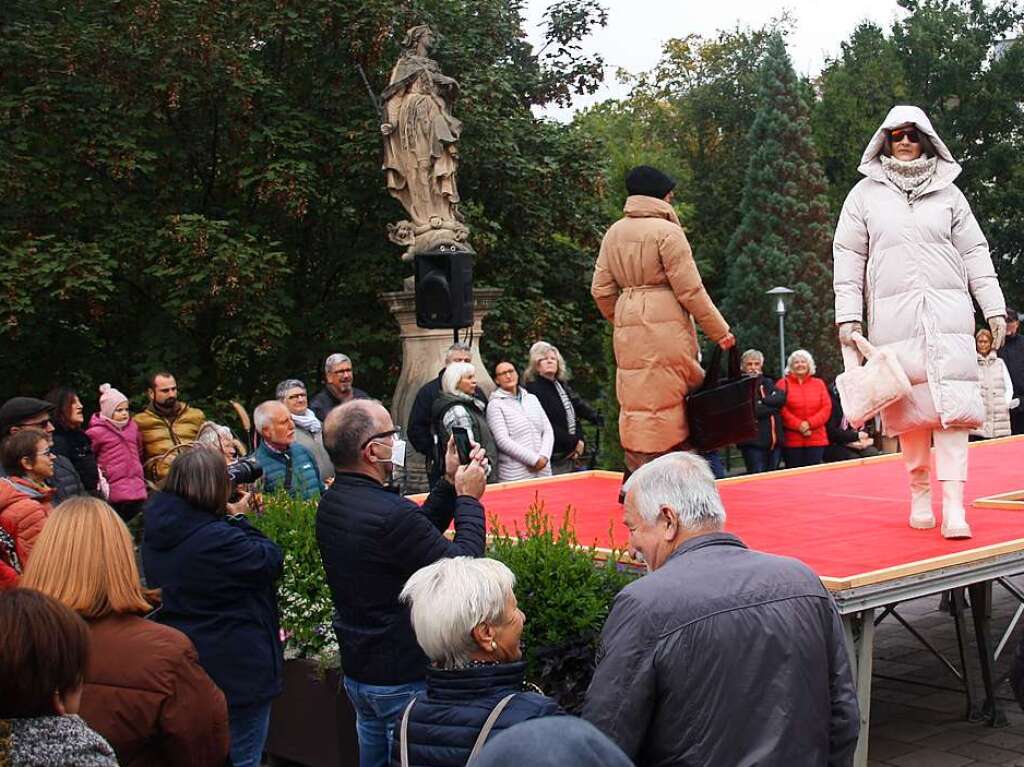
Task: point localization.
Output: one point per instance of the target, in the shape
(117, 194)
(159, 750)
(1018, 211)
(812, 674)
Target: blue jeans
(714, 459)
(759, 459)
(248, 728)
(378, 708)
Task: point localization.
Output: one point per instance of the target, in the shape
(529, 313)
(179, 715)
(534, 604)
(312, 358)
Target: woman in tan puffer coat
(647, 284)
(909, 253)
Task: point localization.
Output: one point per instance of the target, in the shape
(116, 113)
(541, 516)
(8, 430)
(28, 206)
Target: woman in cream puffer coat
(909, 253)
(520, 426)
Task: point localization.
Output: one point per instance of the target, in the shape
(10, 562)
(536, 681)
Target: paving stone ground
(918, 706)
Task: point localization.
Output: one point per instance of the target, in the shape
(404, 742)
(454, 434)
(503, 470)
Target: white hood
(871, 166)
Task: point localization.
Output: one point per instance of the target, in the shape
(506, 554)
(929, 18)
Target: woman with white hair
(466, 619)
(456, 406)
(808, 406)
(546, 377)
(308, 430)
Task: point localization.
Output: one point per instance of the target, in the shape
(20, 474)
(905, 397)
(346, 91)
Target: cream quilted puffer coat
(913, 268)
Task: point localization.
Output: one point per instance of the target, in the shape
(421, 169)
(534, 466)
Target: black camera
(244, 471)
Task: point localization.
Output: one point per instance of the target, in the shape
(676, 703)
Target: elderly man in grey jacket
(720, 655)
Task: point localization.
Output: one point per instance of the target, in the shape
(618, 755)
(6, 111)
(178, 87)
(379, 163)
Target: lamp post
(781, 298)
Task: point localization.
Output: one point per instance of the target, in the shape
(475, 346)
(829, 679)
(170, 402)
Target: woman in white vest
(996, 389)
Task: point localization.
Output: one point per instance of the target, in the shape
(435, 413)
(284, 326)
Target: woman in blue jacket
(467, 621)
(218, 579)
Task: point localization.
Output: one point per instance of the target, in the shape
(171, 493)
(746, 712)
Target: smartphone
(462, 444)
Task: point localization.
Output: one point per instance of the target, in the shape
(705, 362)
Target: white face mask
(397, 458)
(398, 453)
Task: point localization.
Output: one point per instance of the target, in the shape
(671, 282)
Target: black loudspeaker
(444, 288)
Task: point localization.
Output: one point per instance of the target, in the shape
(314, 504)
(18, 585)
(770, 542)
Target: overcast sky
(637, 28)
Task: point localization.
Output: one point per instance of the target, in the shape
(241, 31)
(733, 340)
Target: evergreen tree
(784, 237)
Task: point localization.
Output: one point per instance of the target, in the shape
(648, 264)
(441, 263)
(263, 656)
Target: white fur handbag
(866, 390)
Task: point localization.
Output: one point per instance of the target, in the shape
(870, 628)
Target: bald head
(347, 429)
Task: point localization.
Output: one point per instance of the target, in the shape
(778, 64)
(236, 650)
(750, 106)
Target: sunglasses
(911, 134)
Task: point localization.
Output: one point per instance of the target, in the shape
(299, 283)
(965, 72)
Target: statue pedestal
(422, 357)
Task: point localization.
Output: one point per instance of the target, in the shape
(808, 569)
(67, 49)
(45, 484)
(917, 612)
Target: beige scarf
(910, 176)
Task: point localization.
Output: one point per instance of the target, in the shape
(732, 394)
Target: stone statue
(421, 157)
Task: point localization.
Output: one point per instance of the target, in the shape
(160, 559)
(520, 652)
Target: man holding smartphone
(371, 540)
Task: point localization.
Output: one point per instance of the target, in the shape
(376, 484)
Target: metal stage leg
(957, 608)
(859, 632)
(981, 612)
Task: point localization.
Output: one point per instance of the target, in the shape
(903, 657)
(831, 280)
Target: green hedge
(564, 593)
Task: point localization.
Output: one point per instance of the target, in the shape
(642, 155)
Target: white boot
(954, 516)
(921, 516)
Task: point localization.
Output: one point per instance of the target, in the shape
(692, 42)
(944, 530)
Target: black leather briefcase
(723, 411)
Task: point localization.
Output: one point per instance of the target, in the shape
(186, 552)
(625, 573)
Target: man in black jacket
(763, 453)
(20, 413)
(1012, 354)
(371, 540)
(720, 655)
(844, 442)
(421, 433)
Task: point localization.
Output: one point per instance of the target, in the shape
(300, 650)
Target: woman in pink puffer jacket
(117, 443)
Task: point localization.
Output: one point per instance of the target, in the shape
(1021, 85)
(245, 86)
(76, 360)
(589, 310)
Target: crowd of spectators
(179, 663)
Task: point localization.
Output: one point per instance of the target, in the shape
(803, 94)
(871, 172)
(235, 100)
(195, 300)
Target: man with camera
(371, 540)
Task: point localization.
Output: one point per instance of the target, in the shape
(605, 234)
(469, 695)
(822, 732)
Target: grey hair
(450, 598)
(458, 346)
(264, 412)
(752, 354)
(335, 359)
(346, 428)
(538, 352)
(455, 373)
(806, 355)
(289, 383)
(210, 434)
(684, 483)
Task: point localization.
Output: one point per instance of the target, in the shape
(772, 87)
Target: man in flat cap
(647, 284)
(20, 413)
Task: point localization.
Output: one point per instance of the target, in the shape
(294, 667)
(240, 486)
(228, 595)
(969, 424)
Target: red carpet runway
(847, 521)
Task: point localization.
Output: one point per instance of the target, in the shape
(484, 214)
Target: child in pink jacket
(117, 443)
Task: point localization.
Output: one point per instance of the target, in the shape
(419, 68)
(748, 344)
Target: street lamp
(781, 298)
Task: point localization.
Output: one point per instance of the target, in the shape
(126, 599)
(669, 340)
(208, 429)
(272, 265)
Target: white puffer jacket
(913, 267)
(996, 395)
(522, 432)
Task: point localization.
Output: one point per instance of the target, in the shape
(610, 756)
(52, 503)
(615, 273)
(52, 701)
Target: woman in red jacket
(145, 691)
(805, 413)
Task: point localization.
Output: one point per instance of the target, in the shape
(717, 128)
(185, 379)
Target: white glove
(998, 327)
(847, 329)
(1012, 403)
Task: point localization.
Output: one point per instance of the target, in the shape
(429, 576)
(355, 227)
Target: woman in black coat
(467, 621)
(545, 378)
(69, 438)
(218, 579)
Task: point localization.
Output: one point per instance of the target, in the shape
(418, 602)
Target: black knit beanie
(648, 181)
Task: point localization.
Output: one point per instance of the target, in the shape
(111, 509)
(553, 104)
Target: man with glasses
(371, 540)
(286, 464)
(338, 388)
(308, 428)
(20, 413)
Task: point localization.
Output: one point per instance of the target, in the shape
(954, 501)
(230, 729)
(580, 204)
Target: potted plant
(311, 722)
(566, 595)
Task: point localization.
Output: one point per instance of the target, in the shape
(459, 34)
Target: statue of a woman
(420, 154)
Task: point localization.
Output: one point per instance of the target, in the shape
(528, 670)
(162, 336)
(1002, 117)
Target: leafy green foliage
(785, 237)
(565, 596)
(303, 596)
(196, 185)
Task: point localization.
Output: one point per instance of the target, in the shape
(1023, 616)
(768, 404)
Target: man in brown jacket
(647, 284)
